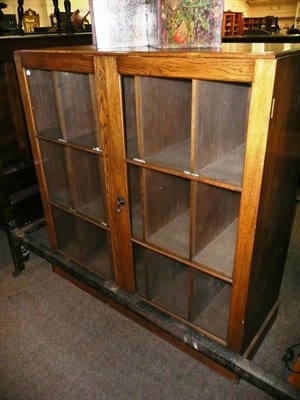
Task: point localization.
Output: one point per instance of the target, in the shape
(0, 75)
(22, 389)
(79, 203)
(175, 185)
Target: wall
(36, 5)
(237, 6)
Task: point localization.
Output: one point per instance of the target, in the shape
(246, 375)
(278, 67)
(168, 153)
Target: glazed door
(180, 173)
(71, 161)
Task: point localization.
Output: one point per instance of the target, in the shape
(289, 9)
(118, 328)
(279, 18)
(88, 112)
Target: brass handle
(120, 203)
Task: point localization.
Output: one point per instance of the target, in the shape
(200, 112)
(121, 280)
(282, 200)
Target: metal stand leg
(17, 250)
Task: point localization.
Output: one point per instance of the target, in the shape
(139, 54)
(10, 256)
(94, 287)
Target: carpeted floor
(59, 343)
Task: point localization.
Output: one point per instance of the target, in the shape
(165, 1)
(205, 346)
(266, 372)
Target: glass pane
(210, 303)
(87, 184)
(130, 121)
(215, 228)
(64, 106)
(76, 107)
(41, 87)
(75, 179)
(83, 242)
(166, 211)
(221, 120)
(54, 163)
(162, 132)
(162, 280)
(66, 233)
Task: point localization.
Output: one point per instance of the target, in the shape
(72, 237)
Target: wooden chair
(78, 20)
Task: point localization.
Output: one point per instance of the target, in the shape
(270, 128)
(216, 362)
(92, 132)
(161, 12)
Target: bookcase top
(232, 50)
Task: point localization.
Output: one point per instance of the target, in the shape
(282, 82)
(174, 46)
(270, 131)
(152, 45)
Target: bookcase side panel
(257, 133)
(277, 204)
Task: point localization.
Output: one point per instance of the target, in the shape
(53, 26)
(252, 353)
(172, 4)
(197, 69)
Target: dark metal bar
(2, 5)
(34, 226)
(242, 367)
(16, 249)
(9, 224)
(20, 12)
(68, 27)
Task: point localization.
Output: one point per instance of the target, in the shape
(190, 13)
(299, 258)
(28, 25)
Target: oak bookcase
(172, 173)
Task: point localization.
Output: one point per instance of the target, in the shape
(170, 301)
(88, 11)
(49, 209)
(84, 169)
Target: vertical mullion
(97, 132)
(109, 100)
(192, 195)
(59, 106)
(139, 122)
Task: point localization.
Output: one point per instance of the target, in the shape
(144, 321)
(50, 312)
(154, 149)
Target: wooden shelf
(84, 242)
(218, 255)
(93, 208)
(228, 168)
(174, 236)
(162, 280)
(176, 157)
(214, 318)
(174, 297)
(100, 263)
(53, 133)
(61, 198)
(85, 141)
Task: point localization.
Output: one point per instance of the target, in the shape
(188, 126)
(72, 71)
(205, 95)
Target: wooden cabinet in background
(233, 23)
(252, 23)
(268, 24)
(172, 175)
